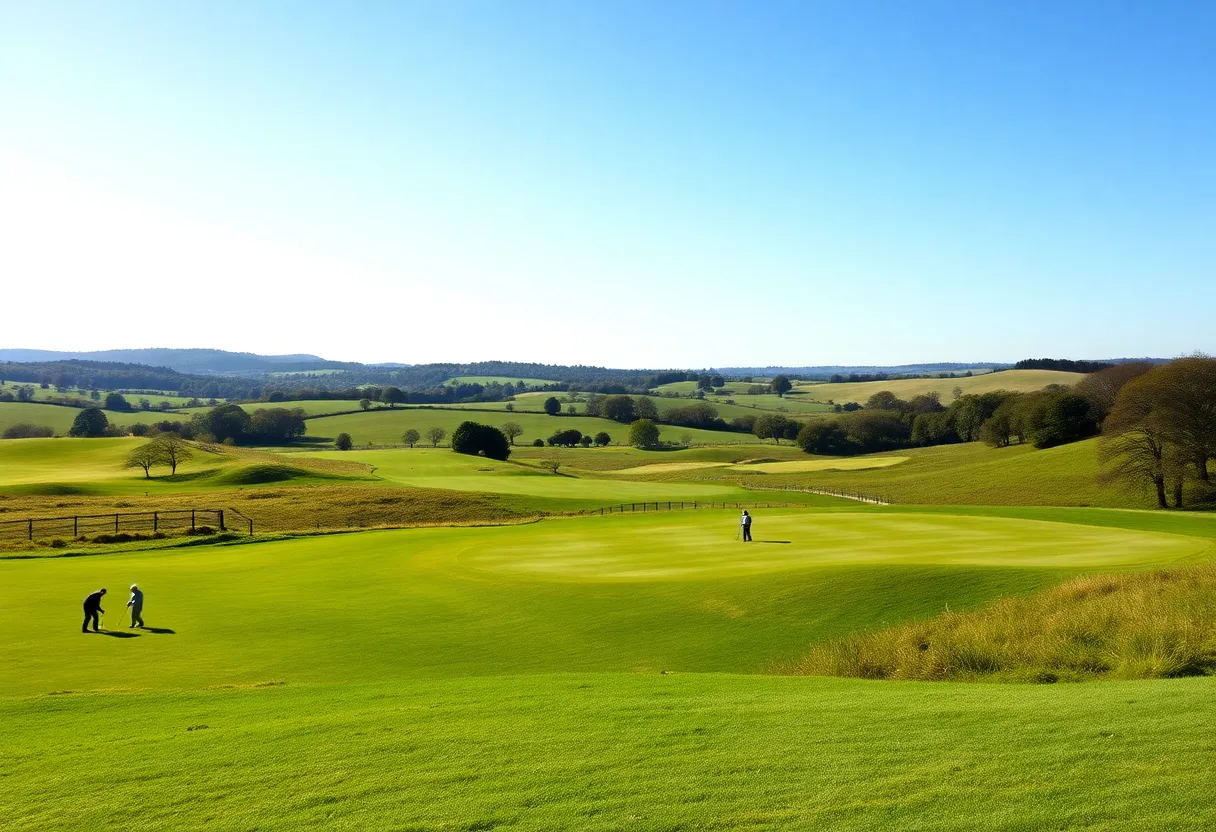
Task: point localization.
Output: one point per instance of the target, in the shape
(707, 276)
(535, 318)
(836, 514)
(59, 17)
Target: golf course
(496, 416)
(570, 660)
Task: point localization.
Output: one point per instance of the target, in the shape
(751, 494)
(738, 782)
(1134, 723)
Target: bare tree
(145, 456)
(173, 450)
(436, 436)
(512, 430)
(551, 463)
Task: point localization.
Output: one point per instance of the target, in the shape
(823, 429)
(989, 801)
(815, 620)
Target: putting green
(692, 545)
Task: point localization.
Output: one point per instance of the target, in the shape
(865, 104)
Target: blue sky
(630, 184)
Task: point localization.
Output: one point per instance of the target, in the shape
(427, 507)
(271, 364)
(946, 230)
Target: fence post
(31, 529)
(191, 519)
(115, 524)
(222, 528)
(75, 526)
(155, 522)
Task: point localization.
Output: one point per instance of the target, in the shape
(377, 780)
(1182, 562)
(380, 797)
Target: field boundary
(827, 492)
(121, 522)
(677, 505)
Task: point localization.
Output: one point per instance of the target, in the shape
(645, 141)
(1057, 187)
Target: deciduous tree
(89, 423)
(643, 433)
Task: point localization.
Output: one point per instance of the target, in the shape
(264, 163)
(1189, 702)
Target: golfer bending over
(92, 606)
(745, 523)
(137, 607)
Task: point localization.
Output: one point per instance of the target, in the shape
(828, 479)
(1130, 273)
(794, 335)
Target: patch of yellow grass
(1132, 626)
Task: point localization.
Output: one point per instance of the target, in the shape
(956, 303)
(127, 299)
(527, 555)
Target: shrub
(344, 442)
(538, 443)
(27, 430)
(602, 438)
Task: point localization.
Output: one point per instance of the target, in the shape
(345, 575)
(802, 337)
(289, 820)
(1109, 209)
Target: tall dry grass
(1131, 626)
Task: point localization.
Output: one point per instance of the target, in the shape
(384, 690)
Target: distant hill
(202, 361)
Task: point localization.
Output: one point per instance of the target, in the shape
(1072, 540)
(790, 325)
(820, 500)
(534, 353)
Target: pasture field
(385, 427)
(60, 418)
(597, 672)
(792, 406)
(40, 394)
(1013, 380)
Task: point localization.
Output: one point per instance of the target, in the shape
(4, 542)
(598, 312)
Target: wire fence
(844, 494)
(679, 505)
(128, 522)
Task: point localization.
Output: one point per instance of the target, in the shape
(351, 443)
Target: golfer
(137, 606)
(745, 523)
(92, 606)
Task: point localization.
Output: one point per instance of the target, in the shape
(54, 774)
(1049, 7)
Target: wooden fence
(129, 522)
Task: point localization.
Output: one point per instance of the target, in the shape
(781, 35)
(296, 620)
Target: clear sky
(622, 183)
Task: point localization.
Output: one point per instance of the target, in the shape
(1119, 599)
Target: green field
(385, 427)
(512, 678)
(611, 672)
(60, 418)
(970, 473)
(72, 392)
(1012, 380)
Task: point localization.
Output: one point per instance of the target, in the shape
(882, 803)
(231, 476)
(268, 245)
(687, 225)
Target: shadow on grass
(116, 634)
(160, 631)
(773, 541)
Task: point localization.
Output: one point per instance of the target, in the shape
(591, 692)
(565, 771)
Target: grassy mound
(1159, 624)
(263, 472)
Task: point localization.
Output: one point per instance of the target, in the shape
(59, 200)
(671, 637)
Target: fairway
(507, 678)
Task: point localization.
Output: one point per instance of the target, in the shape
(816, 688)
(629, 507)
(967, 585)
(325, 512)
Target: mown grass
(512, 678)
(672, 591)
(613, 752)
(1013, 380)
(1159, 624)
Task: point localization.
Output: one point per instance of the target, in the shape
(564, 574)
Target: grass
(385, 427)
(614, 752)
(39, 394)
(971, 474)
(510, 678)
(604, 673)
(613, 594)
(60, 418)
(1159, 624)
(906, 388)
